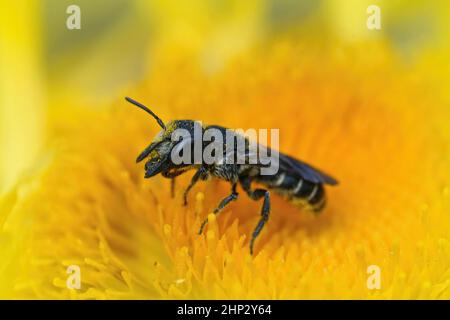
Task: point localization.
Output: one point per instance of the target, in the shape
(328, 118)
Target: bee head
(158, 151)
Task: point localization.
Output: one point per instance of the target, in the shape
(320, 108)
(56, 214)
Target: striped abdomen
(297, 190)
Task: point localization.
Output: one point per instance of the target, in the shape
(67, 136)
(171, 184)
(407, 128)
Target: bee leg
(172, 187)
(265, 211)
(172, 175)
(259, 193)
(200, 174)
(225, 201)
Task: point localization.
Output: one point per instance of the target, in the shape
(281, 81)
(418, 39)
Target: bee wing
(292, 166)
(305, 171)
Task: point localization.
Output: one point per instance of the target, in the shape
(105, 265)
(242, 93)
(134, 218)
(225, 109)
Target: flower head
(376, 127)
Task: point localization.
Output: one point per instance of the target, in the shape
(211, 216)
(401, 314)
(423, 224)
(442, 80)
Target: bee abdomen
(312, 194)
(299, 191)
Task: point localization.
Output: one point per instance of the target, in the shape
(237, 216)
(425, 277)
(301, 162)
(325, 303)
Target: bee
(298, 182)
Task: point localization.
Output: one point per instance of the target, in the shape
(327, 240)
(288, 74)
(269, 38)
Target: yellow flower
(379, 129)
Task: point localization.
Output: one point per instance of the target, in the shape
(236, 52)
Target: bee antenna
(139, 105)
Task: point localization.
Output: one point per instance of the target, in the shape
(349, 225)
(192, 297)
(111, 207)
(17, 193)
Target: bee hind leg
(259, 193)
(265, 210)
(225, 201)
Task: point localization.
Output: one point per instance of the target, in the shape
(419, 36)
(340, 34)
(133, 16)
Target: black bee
(297, 181)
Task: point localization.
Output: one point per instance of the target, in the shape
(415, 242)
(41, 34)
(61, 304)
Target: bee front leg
(225, 201)
(201, 173)
(265, 211)
(172, 175)
(172, 187)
